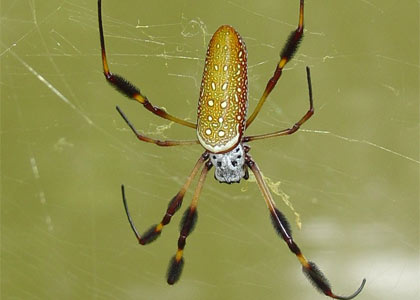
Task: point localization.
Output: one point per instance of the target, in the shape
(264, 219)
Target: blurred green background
(352, 174)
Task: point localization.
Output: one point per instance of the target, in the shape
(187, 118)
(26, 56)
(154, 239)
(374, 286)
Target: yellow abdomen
(223, 102)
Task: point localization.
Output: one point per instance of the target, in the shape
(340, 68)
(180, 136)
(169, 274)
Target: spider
(220, 127)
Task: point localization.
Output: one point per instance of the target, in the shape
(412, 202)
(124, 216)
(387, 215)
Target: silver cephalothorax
(230, 165)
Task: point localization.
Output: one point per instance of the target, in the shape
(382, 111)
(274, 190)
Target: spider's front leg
(155, 230)
(187, 226)
(280, 223)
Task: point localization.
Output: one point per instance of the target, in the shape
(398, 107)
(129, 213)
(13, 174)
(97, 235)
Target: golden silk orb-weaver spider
(220, 127)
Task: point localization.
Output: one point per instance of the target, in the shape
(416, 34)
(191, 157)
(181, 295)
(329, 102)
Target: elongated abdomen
(223, 102)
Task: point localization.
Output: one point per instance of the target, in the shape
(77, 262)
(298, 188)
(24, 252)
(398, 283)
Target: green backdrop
(352, 173)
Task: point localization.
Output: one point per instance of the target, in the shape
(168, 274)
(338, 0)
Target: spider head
(229, 166)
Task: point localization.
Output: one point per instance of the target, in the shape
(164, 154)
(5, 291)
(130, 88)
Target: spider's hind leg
(127, 88)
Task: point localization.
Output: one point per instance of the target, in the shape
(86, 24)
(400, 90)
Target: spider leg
(150, 140)
(297, 125)
(127, 88)
(187, 226)
(155, 230)
(286, 55)
(309, 268)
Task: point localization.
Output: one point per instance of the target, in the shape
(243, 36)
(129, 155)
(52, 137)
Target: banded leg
(150, 140)
(154, 231)
(297, 125)
(286, 55)
(309, 268)
(127, 88)
(187, 226)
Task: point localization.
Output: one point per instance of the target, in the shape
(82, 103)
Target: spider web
(351, 173)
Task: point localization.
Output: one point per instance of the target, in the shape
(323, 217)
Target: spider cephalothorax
(230, 166)
(220, 128)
